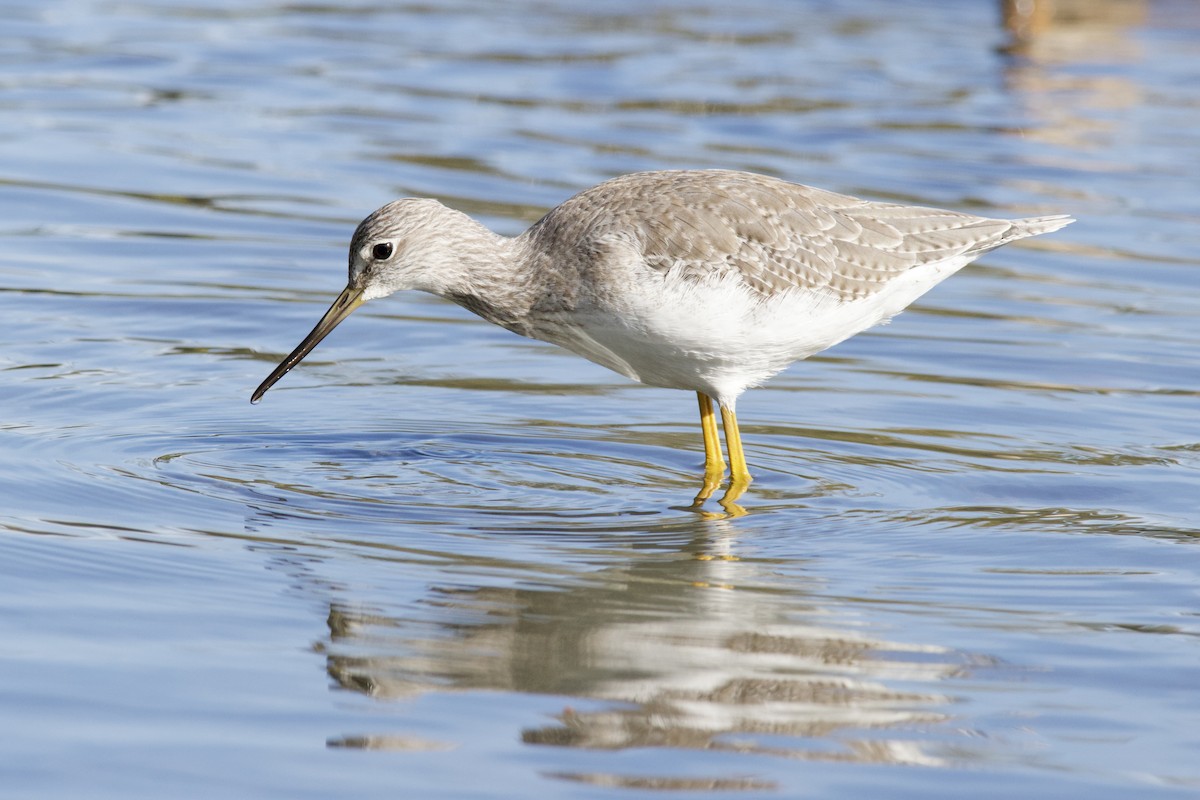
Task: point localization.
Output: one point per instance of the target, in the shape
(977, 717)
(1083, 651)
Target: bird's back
(774, 235)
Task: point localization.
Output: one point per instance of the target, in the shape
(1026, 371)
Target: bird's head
(407, 244)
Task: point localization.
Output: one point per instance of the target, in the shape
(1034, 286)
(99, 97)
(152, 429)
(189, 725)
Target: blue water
(440, 560)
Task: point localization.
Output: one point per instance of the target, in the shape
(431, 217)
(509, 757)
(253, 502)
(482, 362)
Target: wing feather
(774, 235)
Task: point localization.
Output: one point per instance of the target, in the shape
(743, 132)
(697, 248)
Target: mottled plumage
(776, 236)
(707, 280)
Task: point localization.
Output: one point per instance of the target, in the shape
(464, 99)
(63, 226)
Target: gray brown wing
(779, 236)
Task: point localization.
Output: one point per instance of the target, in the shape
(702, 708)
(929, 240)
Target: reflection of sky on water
(967, 546)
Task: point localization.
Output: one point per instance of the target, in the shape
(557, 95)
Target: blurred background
(443, 561)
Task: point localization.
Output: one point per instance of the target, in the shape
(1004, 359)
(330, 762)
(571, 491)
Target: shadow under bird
(706, 280)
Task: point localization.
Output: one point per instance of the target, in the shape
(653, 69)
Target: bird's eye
(382, 251)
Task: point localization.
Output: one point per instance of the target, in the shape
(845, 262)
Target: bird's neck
(486, 275)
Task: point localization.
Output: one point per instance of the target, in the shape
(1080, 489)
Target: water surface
(443, 561)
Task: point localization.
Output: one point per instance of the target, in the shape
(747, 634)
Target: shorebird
(706, 280)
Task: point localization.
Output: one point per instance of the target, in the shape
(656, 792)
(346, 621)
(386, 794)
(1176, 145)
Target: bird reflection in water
(661, 655)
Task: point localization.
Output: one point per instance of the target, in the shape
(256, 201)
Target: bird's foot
(737, 487)
(712, 479)
(738, 482)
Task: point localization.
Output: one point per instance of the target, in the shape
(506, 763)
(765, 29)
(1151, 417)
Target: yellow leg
(714, 465)
(739, 474)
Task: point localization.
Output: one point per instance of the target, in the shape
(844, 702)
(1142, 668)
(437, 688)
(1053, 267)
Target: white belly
(720, 338)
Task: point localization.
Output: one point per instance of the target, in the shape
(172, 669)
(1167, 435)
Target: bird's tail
(1035, 226)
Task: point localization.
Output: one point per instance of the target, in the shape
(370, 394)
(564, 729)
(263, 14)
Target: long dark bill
(347, 301)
